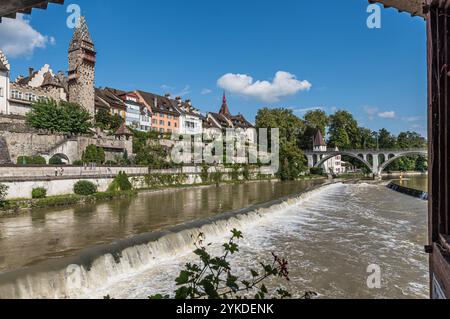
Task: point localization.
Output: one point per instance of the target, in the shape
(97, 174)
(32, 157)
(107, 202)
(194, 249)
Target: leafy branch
(213, 278)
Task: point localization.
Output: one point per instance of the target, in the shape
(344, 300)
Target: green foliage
(235, 173)
(343, 130)
(314, 120)
(31, 160)
(3, 192)
(153, 156)
(316, 171)
(107, 121)
(94, 154)
(246, 173)
(213, 277)
(78, 163)
(55, 160)
(84, 188)
(216, 177)
(38, 193)
(120, 183)
(292, 162)
(292, 159)
(204, 173)
(63, 117)
(165, 180)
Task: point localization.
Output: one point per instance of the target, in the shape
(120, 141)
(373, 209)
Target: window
(15, 94)
(161, 130)
(169, 124)
(161, 122)
(30, 97)
(1, 92)
(155, 122)
(175, 124)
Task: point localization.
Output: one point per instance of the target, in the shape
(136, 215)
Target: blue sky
(186, 46)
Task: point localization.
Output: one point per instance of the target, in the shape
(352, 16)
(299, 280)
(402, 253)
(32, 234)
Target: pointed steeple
(319, 140)
(224, 108)
(81, 37)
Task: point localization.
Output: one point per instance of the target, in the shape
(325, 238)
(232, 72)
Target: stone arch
(396, 157)
(355, 156)
(61, 156)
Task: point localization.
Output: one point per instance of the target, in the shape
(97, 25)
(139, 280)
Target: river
(330, 236)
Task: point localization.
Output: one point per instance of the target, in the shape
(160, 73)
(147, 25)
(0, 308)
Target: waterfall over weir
(99, 266)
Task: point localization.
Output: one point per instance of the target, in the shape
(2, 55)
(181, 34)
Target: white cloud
(284, 84)
(18, 38)
(371, 112)
(206, 91)
(412, 118)
(186, 90)
(387, 115)
(167, 87)
(307, 109)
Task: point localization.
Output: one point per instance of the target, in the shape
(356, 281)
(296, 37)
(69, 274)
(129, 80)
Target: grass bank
(15, 206)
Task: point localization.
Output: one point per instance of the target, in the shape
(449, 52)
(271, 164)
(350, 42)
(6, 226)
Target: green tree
(386, 140)
(314, 120)
(63, 117)
(93, 154)
(107, 121)
(290, 126)
(292, 159)
(152, 155)
(317, 120)
(344, 131)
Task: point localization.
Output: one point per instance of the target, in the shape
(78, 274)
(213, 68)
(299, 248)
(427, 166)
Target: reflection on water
(329, 239)
(415, 182)
(54, 233)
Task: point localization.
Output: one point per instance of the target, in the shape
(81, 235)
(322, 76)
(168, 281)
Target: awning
(10, 8)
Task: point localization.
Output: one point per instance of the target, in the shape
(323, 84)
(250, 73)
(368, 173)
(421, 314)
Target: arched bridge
(376, 160)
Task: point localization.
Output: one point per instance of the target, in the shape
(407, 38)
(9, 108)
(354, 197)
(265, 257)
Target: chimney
(155, 102)
(167, 95)
(30, 72)
(188, 105)
(178, 99)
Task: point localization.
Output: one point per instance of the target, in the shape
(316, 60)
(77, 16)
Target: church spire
(224, 109)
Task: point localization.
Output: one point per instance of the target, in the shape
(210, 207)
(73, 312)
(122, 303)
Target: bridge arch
(343, 153)
(396, 157)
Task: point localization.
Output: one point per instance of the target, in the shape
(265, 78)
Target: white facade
(137, 115)
(190, 124)
(4, 91)
(4, 84)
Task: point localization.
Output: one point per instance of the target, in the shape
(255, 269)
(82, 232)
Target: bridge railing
(369, 150)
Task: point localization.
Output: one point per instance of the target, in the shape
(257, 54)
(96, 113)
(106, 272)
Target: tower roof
(81, 36)
(224, 108)
(318, 139)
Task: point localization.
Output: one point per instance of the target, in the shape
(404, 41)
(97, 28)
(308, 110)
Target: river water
(330, 236)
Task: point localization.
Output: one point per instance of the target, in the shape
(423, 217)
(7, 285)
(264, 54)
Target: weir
(98, 266)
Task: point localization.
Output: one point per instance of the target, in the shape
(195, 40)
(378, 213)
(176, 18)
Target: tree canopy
(62, 117)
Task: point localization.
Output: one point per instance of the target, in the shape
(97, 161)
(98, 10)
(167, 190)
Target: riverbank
(19, 206)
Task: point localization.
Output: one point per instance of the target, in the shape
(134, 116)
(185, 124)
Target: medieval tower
(82, 57)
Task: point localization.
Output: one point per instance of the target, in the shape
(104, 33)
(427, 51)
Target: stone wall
(25, 179)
